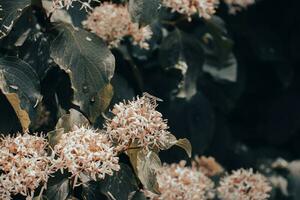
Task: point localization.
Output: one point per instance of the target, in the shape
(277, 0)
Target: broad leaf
(143, 11)
(10, 11)
(186, 145)
(66, 123)
(58, 187)
(120, 185)
(20, 84)
(69, 121)
(90, 66)
(147, 164)
(182, 51)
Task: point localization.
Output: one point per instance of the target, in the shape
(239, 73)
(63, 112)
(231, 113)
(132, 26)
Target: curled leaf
(186, 145)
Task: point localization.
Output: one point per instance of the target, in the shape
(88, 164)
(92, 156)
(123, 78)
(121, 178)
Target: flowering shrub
(76, 71)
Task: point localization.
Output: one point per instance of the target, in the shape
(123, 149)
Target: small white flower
(244, 184)
(24, 164)
(112, 22)
(86, 151)
(177, 181)
(137, 124)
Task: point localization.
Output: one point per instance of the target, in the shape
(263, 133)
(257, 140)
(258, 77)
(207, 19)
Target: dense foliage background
(237, 101)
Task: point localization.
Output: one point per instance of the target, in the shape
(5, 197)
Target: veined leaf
(20, 84)
(90, 66)
(186, 145)
(10, 11)
(147, 164)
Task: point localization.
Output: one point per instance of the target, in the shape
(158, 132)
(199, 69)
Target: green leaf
(10, 11)
(147, 164)
(186, 145)
(90, 66)
(143, 11)
(120, 184)
(20, 84)
(58, 187)
(183, 52)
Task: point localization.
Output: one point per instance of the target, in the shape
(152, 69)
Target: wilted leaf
(184, 52)
(143, 11)
(186, 145)
(120, 185)
(58, 188)
(74, 118)
(20, 84)
(90, 65)
(10, 11)
(147, 164)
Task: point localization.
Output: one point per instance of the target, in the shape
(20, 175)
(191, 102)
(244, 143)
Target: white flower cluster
(237, 5)
(60, 4)
(24, 165)
(137, 124)
(244, 184)
(86, 151)
(112, 22)
(204, 8)
(177, 181)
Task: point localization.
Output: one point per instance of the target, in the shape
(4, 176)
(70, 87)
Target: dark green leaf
(120, 185)
(90, 65)
(143, 11)
(20, 84)
(10, 11)
(220, 62)
(182, 51)
(58, 187)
